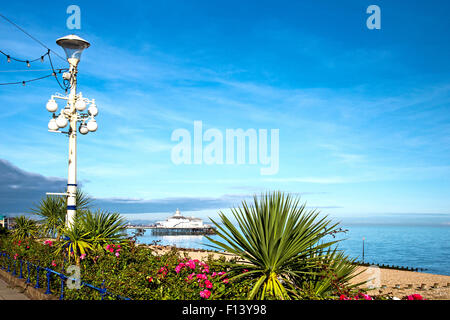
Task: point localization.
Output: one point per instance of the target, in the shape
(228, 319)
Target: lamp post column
(72, 174)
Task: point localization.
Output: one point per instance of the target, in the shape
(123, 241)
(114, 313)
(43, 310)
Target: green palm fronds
(103, 227)
(271, 237)
(53, 209)
(91, 231)
(331, 272)
(53, 213)
(25, 228)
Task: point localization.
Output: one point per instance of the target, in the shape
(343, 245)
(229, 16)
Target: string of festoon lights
(28, 62)
(54, 73)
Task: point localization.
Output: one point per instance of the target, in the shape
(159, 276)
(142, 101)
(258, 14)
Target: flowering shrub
(137, 273)
(359, 296)
(198, 277)
(415, 296)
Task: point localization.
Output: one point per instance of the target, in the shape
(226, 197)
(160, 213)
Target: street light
(72, 114)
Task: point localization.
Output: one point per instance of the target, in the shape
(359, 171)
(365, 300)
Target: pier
(175, 231)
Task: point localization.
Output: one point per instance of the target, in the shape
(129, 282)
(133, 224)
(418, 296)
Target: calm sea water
(410, 246)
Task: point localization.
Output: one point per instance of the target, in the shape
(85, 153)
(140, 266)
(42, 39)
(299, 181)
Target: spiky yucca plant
(103, 227)
(329, 275)
(272, 236)
(91, 231)
(25, 228)
(52, 210)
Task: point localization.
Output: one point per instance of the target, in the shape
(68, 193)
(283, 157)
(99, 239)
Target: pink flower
(190, 276)
(15, 256)
(415, 297)
(367, 297)
(150, 279)
(225, 280)
(117, 254)
(179, 267)
(205, 294)
(208, 284)
(214, 274)
(191, 264)
(343, 297)
(48, 242)
(83, 256)
(53, 263)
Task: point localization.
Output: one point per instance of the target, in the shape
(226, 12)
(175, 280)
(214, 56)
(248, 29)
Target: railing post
(103, 290)
(28, 272)
(49, 275)
(20, 274)
(14, 269)
(37, 277)
(61, 296)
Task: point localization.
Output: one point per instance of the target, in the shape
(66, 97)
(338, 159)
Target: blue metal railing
(49, 272)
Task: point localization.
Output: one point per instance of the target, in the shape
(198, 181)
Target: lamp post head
(73, 45)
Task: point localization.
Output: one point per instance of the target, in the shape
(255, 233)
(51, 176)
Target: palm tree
(77, 241)
(331, 273)
(25, 228)
(273, 236)
(53, 209)
(103, 227)
(91, 231)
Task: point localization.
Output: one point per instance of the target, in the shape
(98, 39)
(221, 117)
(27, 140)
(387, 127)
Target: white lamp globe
(80, 105)
(92, 125)
(52, 125)
(92, 110)
(83, 129)
(61, 121)
(52, 106)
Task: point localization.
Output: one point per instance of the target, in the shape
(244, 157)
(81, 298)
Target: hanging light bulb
(80, 105)
(8, 58)
(83, 128)
(93, 111)
(42, 59)
(52, 106)
(28, 63)
(61, 121)
(92, 125)
(52, 125)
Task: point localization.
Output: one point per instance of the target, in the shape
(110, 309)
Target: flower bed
(130, 271)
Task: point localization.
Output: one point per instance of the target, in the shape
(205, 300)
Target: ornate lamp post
(72, 114)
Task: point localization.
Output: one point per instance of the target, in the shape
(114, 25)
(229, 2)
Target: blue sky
(363, 115)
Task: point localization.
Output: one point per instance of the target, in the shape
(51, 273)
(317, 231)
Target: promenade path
(8, 293)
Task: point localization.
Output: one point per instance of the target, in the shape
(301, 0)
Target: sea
(418, 242)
